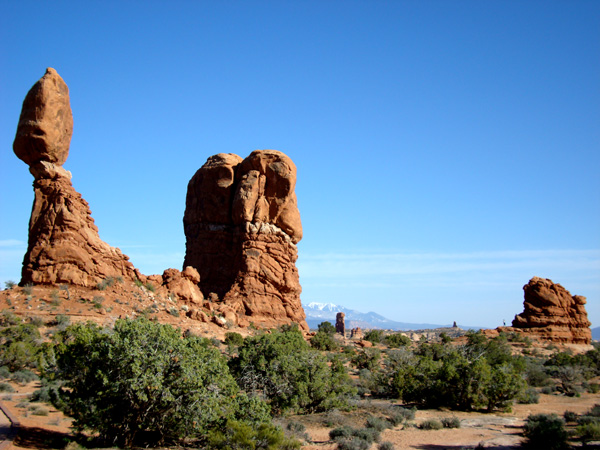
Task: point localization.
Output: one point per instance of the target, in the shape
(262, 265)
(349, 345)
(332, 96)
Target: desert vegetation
(142, 383)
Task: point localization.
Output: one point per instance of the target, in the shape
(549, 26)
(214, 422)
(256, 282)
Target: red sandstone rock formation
(242, 225)
(552, 313)
(340, 325)
(64, 245)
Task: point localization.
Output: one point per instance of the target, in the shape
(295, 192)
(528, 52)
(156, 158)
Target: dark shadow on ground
(38, 438)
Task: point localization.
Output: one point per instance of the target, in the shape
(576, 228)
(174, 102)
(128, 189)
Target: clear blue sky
(447, 151)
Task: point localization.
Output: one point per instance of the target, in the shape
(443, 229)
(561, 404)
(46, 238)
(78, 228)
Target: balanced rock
(64, 245)
(242, 225)
(553, 314)
(46, 123)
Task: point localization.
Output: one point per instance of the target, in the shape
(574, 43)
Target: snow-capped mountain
(320, 312)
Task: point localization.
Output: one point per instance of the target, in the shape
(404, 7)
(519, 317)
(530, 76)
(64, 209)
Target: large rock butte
(242, 225)
(64, 245)
(553, 314)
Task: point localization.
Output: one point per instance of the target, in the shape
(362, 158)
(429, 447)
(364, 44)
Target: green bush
(38, 410)
(324, 341)
(481, 374)
(9, 284)
(431, 424)
(141, 382)
(451, 422)
(545, 431)
(5, 387)
(4, 372)
(570, 416)
(23, 376)
(292, 376)
(9, 318)
(366, 359)
(588, 432)
(233, 339)
(377, 423)
(348, 438)
(242, 436)
(396, 340)
(385, 446)
(529, 396)
(374, 336)
(326, 327)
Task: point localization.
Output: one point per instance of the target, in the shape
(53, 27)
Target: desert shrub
(451, 422)
(233, 339)
(396, 340)
(283, 368)
(38, 410)
(324, 341)
(595, 411)
(5, 387)
(588, 432)
(570, 379)
(243, 436)
(354, 438)
(548, 390)
(399, 414)
(9, 284)
(4, 372)
(369, 435)
(18, 356)
(326, 327)
(377, 423)
(431, 424)
(374, 336)
(297, 430)
(535, 373)
(529, 396)
(366, 359)
(107, 282)
(481, 374)
(36, 321)
(23, 376)
(333, 418)
(592, 388)
(9, 318)
(352, 443)
(570, 416)
(385, 446)
(174, 312)
(142, 382)
(545, 431)
(341, 432)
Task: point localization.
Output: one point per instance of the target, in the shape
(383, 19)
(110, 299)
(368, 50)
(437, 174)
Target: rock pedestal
(340, 325)
(64, 245)
(242, 225)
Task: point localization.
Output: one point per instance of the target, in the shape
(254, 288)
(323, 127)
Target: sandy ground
(495, 431)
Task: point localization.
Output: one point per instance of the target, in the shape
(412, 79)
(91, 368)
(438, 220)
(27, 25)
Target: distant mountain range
(320, 312)
(596, 334)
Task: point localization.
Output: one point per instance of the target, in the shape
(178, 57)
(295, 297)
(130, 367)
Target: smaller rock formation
(340, 325)
(356, 333)
(64, 245)
(553, 314)
(183, 285)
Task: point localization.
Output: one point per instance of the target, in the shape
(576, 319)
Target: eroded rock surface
(64, 245)
(340, 324)
(242, 225)
(552, 313)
